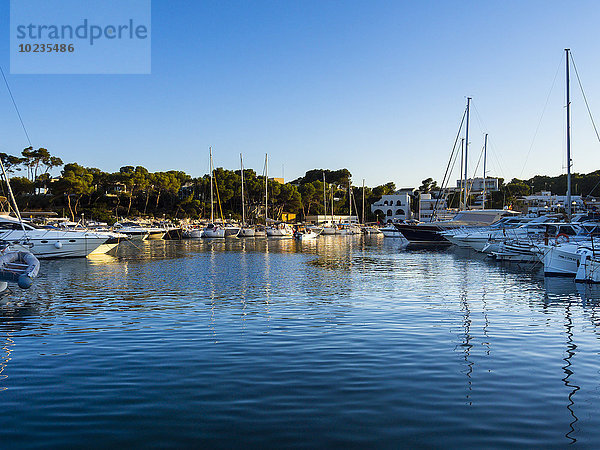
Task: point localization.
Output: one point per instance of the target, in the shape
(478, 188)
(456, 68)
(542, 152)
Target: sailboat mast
(266, 186)
(568, 205)
(363, 202)
(462, 185)
(350, 200)
(324, 198)
(332, 192)
(242, 172)
(484, 161)
(212, 212)
(467, 149)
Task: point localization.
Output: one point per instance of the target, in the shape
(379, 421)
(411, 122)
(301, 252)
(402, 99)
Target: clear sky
(378, 87)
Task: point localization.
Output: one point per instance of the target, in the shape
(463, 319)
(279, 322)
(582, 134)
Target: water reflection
(571, 350)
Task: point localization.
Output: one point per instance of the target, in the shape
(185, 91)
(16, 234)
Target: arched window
(385, 203)
(400, 212)
(389, 213)
(398, 203)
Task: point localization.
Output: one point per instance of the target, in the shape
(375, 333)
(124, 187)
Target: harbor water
(341, 341)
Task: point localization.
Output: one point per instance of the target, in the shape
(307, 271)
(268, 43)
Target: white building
(428, 204)
(394, 207)
(475, 185)
(329, 220)
(544, 201)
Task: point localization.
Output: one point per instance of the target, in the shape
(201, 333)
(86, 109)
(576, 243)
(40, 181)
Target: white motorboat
(280, 230)
(305, 234)
(192, 233)
(348, 229)
(156, 232)
(372, 230)
(133, 230)
(247, 232)
(231, 231)
(563, 259)
(391, 231)
(589, 267)
(518, 251)
(329, 231)
(212, 231)
(50, 242)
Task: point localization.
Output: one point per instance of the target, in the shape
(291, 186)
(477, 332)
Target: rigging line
(475, 172)
(491, 146)
(448, 166)
(537, 129)
(585, 98)
(15, 105)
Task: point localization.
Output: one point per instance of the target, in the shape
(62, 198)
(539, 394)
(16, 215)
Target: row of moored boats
(564, 247)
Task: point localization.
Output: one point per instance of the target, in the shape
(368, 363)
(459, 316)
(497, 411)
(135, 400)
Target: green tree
(75, 182)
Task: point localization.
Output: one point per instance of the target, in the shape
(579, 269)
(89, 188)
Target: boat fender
(58, 244)
(24, 281)
(562, 235)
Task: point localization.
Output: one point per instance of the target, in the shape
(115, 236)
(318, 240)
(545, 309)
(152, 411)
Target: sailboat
(245, 230)
(431, 232)
(281, 229)
(211, 230)
(328, 229)
(348, 228)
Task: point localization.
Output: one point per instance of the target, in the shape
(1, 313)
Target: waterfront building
(394, 207)
(544, 201)
(328, 220)
(475, 186)
(428, 204)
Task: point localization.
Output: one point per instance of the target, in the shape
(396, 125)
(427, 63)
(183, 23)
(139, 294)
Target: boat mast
(467, 149)
(324, 198)
(568, 205)
(266, 186)
(462, 185)
(212, 212)
(332, 193)
(484, 161)
(363, 202)
(242, 171)
(349, 200)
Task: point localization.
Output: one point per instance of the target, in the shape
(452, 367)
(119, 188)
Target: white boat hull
(247, 232)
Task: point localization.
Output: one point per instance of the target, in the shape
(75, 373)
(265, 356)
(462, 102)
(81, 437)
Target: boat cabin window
(567, 229)
(14, 226)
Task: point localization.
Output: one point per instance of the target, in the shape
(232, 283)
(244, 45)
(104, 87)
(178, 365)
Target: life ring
(563, 235)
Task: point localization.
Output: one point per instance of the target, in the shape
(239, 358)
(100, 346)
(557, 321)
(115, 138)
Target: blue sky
(377, 87)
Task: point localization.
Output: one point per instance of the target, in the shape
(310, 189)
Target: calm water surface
(347, 342)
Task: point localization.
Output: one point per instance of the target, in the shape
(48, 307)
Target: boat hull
(422, 234)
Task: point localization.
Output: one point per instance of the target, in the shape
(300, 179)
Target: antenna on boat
(568, 205)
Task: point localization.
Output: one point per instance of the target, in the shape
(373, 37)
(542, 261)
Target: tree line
(135, 191)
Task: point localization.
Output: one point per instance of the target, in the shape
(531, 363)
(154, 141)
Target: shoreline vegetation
(133, 191)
